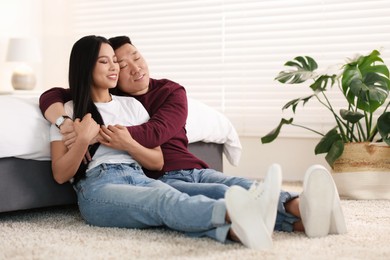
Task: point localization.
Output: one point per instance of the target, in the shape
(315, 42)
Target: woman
(112, 189)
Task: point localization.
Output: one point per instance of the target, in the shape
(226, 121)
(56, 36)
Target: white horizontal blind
(227, 53)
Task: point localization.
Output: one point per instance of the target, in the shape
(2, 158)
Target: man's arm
(165, 123)
(51, 103)
(118, 137)
(54, 111)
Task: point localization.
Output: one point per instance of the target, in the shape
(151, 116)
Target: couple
(114, 191)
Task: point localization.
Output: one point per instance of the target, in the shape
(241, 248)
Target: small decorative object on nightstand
(23, 50)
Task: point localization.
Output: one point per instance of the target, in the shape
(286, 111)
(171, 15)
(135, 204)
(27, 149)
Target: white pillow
(209, 125)
(24, 131)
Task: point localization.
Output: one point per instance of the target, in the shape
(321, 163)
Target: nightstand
(5, 92)
(21, 93)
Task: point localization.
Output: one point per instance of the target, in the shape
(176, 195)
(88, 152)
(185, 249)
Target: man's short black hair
(118, 41)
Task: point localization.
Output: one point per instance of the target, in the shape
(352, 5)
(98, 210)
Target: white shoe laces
(256, 189)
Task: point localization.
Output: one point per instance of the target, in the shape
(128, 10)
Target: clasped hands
(113, 136)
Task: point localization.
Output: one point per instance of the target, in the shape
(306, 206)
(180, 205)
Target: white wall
(57, 43)
(18, 18)
(294, 155)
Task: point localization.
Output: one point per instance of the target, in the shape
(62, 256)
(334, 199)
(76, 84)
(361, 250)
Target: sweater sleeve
(52, 96)
(164, 124)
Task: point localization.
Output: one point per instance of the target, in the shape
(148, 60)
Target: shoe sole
(337, 221)
(247, 223)
(318, 197)
(274, 183)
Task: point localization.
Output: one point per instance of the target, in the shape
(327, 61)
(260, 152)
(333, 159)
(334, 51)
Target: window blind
(227, 53)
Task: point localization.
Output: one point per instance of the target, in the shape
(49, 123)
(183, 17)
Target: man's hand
(86, 129)
(68, 133)
(116, 137)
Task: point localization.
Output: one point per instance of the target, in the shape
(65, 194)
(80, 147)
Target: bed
(25, 170)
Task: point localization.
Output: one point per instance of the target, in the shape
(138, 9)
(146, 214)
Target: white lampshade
(23, 51)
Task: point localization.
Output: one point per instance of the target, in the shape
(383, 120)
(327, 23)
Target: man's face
(134, 72)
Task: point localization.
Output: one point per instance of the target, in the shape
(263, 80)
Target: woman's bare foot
(292, 207)
(232, 236)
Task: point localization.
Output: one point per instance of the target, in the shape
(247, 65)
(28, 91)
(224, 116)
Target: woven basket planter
(363, 171)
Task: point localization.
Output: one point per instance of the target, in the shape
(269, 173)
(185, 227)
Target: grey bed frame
(28, 184)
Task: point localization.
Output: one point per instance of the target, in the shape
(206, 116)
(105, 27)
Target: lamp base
(23, 81)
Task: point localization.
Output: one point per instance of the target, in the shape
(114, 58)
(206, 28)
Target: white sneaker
(320, 204)
(267, 193)
(337, 220)
(247, 219)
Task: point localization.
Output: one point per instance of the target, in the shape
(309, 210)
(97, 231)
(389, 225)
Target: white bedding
(209, 125)
(24, 133)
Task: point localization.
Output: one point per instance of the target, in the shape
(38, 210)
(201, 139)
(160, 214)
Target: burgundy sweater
(166, 103)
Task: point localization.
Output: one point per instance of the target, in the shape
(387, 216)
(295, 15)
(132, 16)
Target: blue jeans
(120, 195)
(214, 184)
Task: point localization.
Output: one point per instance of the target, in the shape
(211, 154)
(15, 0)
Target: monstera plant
(363, 81)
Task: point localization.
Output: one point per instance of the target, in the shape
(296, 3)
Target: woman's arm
(118, 137)
(65, 162)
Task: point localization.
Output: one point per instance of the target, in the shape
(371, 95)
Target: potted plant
(364, 83)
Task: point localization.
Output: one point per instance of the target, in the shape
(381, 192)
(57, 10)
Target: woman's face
(134, 71)
(106, 70)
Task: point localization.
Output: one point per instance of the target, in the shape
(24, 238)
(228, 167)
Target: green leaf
(335, 152)
(384, 127)
(274, 133)
(327, 141)
(365, 83)
(301, 69)
(294, 103)
(322, 82)
(351, 116)
(332, 145)
(381, 69)
(366, 61)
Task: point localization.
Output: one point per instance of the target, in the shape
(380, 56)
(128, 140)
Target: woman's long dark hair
(82, 61)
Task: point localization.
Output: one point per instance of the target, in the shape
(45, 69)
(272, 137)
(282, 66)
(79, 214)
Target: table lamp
(23, 51)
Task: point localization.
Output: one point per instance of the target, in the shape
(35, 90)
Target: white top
(126, 111)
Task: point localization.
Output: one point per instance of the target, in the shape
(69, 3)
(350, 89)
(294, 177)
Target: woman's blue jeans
(214, 184)
(120, 195)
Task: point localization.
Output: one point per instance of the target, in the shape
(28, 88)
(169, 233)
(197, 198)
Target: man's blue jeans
(214, 184)
(120, 195)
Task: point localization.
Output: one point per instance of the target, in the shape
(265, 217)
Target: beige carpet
(60, 233)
